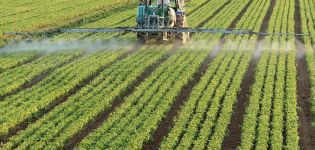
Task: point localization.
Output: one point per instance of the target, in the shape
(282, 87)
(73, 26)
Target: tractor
(153, 15)
(164, 20)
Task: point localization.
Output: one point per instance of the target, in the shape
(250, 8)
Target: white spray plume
(259, 49)
(300, 49)
(48, 45)
(89, 45)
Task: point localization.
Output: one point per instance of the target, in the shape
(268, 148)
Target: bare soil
(168, 121)
(267, 17)
(297, 19)
(306, 130)
(233, 139)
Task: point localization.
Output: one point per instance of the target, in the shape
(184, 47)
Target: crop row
(124, 19)
(109, 21)
(193, 22)
(2, 43)
(272, 106)
(31, 101)
(21, 6)
(193, 19)
(11, 60)
(204, 11)
(115, 132)
(252, 20)
(271, 111)
(120, 19)
(212, 100)
(229, 12)
(249, 124)
(190, 118)
(14, 78)
(141, 112)
(307, 25)
(55, 128)
(195, 134)
(308, 20)
(61, 14)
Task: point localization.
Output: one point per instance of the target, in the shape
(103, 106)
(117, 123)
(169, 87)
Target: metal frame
(172, 30)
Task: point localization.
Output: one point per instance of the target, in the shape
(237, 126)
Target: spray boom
(136, 30)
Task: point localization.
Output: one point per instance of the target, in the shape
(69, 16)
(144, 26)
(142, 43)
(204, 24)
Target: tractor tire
(142, 37)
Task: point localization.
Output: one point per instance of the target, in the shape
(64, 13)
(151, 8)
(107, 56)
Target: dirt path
(306, 131)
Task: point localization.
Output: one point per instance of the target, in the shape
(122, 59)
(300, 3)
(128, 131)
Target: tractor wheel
(142, 37)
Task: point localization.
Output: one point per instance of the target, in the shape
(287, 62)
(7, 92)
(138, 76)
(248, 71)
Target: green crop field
(108, 91)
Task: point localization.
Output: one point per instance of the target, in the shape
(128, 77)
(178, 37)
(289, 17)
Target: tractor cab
(158, 14)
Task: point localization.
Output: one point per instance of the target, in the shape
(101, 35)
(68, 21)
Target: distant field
(215, 92)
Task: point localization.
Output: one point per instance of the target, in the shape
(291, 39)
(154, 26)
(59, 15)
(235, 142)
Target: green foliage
(73, 115)
(21, 16)
(14, 78)
(272, 108)
(141, 112)
(26, 104)
(10, 60)
(307, 8)
(203, 120)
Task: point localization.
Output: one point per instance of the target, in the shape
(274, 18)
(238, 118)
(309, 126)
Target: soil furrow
(306, 131)
(38, 78)
(37, 56)
(267, 17)
(240, 15)
(168, 121)
(198, 7)
(102, 117)
(214, 14)
(233, 139)
(23, 125)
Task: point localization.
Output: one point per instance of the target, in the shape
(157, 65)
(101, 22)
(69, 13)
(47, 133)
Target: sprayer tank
(140, 14)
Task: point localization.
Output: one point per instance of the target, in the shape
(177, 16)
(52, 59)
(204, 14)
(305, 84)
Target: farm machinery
(164, 20)
(164, 14)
